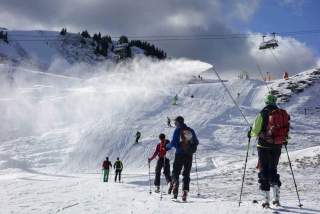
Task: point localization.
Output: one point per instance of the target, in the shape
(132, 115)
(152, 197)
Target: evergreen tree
(123, 39)
(149, 49)
(85, 34)
(63, 31)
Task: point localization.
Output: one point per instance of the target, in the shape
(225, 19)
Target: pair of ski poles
(248, 146)
(196, 165)
(161, 189)
(244, 173)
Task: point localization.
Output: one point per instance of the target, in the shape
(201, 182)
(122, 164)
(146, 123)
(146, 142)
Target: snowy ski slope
(56, 131)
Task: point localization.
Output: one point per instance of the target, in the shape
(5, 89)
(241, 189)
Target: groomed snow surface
(56, 131)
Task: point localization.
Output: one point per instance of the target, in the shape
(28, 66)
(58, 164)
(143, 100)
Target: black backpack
(188, 143)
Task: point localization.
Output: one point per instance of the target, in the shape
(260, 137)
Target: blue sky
(283, 16)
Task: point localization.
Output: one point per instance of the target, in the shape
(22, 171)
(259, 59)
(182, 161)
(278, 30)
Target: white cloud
(291, 55)
(187, 19)
(243, 9)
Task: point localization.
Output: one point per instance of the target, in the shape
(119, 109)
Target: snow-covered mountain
(42, 48)
(56, 131)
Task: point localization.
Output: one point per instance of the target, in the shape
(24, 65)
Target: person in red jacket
(106, 167)
(162, 162)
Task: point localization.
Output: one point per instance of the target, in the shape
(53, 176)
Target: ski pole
(149, 179)
(164, 164)
(294, 180)
(102, 171)
(245, 166)
(195, 160)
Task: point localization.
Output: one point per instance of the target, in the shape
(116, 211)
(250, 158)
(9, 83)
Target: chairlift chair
(272, 43)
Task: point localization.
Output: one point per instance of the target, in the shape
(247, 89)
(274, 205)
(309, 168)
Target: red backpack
(278, 126)
(162, 148)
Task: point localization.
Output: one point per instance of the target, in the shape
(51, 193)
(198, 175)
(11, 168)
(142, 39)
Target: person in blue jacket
(185, 142)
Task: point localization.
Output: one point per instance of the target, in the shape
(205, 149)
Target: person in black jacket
(118, 169)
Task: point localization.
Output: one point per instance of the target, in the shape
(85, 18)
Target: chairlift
(272, 43)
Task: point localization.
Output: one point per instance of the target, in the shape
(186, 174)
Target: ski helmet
(270, 99)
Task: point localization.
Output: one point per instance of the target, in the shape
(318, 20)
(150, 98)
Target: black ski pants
(181, 161)
(166, 170)
(268, 162)
(118, 173)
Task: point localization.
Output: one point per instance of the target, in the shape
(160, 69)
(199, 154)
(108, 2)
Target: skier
(118, 169)
(185, 142)
(105, 167)
(175, 99)
(169, 122)
(162, 162)
(271, 127)
(138, 135)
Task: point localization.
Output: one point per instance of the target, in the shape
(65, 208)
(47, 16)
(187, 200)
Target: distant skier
(185, 141)
(169, 122)
(106, 167)
(175, 99)
(138, 135)
(162, 162)
(271, 127)
(118, 169)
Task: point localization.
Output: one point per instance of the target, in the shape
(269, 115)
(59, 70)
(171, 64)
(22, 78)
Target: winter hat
(270, 99)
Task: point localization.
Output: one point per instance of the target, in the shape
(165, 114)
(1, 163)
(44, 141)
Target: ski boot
(157, 190)
(276, 203)
(175, 192)
(266, 195)
(276, 195)
(170, 188)
(184, 196)
(265, 205)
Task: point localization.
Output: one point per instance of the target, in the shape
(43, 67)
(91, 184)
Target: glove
(249, 132)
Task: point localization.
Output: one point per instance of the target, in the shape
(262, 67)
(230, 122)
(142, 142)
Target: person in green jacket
(118, 167)
(268, 153)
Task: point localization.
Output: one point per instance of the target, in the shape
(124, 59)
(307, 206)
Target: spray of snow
(99, 111)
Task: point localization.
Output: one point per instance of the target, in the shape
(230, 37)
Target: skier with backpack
(271, 127)
(163, 162)
(118, 169)
(105, 168)
(185, 142)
